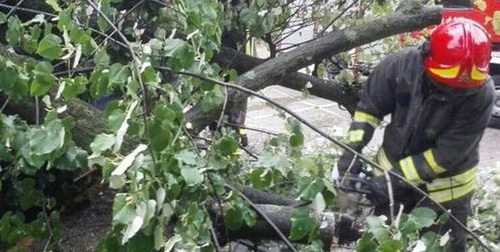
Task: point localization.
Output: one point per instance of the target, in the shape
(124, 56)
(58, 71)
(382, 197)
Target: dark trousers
(460, 208)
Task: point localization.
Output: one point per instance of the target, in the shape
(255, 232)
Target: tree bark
(332, 225)
(332, 90)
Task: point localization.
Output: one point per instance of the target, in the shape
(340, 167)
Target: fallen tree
(255, 74)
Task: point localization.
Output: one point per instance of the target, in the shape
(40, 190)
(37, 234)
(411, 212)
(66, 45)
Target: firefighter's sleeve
(376, 101)
(456, 148)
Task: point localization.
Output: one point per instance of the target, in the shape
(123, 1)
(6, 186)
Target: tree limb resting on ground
(336, 228)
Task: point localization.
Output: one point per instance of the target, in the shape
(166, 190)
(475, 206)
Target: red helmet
(459, 54)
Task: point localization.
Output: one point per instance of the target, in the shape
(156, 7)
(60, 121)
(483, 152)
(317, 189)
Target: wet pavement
(328, 117)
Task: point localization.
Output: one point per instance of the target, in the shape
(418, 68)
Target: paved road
(328, 117)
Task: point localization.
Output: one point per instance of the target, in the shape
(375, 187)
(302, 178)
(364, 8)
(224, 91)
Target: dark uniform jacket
(433, 136)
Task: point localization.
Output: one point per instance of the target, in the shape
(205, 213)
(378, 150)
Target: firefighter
(439, 96)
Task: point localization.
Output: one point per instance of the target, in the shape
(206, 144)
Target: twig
(5, 104)
(37, 111)
(221, 210)
(322, 32)
(388, 180)
(84, 175)
(49, 226)
(215, 240)
(250, 128)
(10, 7)
(13, 9)
(248, 244)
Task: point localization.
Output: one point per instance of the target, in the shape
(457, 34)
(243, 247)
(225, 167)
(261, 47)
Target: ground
(322, 113)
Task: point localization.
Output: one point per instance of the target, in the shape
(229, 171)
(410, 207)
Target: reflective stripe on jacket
(433, 137)
(440, 189)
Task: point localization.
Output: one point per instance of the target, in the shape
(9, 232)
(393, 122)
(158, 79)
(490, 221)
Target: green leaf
(102, 142)
(249, 216)
(73, 159)
(159, 141)
(212, 98)
(47, 140)
(43, 80)
(12, 228)
(227, 146)
(165, 121)
(192, 176)
(118, 74)
(14, 31)
(443, 218)
(248, 17)
(315, 187)
(431, 242)
(99, 83)
(109, 243)
(378, 227)
(390, 246)
(123, 212)
(422, 217)
(429, 238)
(150, 76)
(260, 178)
(159, 237)
(54, 5)
(50, 47)
(297, 139)
(269, 160)
(181, 54)
(30, 42)
(3, 18)
(115, 119)
(84, 38)
(173, 46)
(128, 160)
(132, 228)
(27, 194)
(74, 87)
(8, 79)
(65, 20)
(173, 189)
(302, 224)
(234, 218)
(187, 157)
(366, 243)
(20, 90)
(101, 58)
(102, 24)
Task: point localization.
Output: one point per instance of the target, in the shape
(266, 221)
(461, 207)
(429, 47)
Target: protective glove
(346, 172)
(348, 163)
(378, 191)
